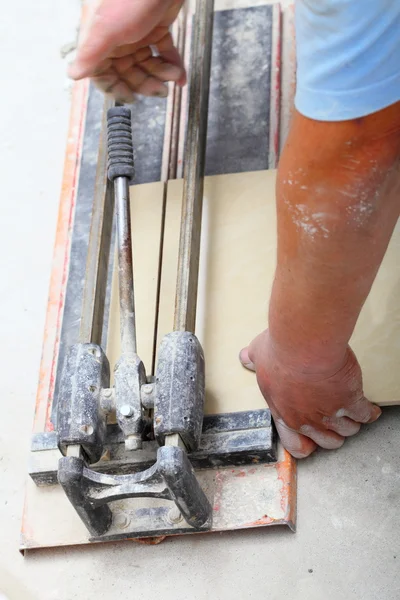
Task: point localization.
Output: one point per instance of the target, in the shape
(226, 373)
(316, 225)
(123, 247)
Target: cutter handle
(120, 145)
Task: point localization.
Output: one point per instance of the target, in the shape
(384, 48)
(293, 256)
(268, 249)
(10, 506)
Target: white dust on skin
(342, 426)
(306, 220)
(361, 205)
(290, 439)
(325, 439)
(311, 223)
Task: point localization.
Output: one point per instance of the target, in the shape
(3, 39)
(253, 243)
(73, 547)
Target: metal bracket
(171, 478)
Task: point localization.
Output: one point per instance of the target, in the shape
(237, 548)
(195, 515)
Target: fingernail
(376, 414)
(244, 359)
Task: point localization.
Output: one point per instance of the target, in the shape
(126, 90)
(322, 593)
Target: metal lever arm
(129, 372)
(121, 171)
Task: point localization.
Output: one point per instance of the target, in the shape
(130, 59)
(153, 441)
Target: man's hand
(314, 408)
(116, 49)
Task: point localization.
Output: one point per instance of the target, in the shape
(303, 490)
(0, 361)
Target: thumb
(245, 359)
(248, 356)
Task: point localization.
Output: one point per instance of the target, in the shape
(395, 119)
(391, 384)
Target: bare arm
(338, 199)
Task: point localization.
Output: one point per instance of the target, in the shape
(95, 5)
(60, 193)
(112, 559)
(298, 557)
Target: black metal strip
(240, 91)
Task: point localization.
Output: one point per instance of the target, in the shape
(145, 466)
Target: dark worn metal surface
(97, 519)
(239, 107)
(148, 120)
(99, 246)
(227, 439)
(179, 389)
(172, 477)
(80, 235)
(129, 376)
(80, 419)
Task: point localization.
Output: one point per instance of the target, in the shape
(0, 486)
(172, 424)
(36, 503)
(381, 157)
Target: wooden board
(236, 271)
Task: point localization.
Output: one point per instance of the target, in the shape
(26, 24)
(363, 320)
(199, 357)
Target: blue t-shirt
(348, 57)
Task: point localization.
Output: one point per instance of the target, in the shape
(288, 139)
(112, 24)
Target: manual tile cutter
(164, 452)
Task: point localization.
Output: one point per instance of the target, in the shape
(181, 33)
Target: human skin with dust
(338, 197)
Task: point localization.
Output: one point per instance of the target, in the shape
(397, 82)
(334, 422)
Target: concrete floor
(348, 540)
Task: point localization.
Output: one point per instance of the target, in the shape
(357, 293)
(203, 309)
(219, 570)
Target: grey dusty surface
(348, 540)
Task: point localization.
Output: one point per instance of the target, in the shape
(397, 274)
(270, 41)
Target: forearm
(338, 198)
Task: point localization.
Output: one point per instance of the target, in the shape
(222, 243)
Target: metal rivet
(107, 393)
(126, 410)
(174, 515)
(147, 389)
(94, 352)
(121, 520)
(87, 429)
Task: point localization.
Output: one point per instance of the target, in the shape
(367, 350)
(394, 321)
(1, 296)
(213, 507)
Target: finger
(103, 66)
(248, 355)
(142, 54)
(106, 81)
(161, 70)
(169, 53)
(121, 65)
(361, 411)
(122, 92)
(298, 445)
(109, 28)
(245, 359)
(153, 39)
(126, 50)
(375, 413)
(326, 439)
(173, 57)
(343, 426)
(134, 78)
(153, 87)
(171, 13)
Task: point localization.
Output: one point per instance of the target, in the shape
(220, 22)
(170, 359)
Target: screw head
(174, 515)
(126, 410)
(107, 393)
(87, 429)
(147, 388)
(121, 520)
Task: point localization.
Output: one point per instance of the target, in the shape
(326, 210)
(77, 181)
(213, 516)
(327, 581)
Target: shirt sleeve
(348, 57)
